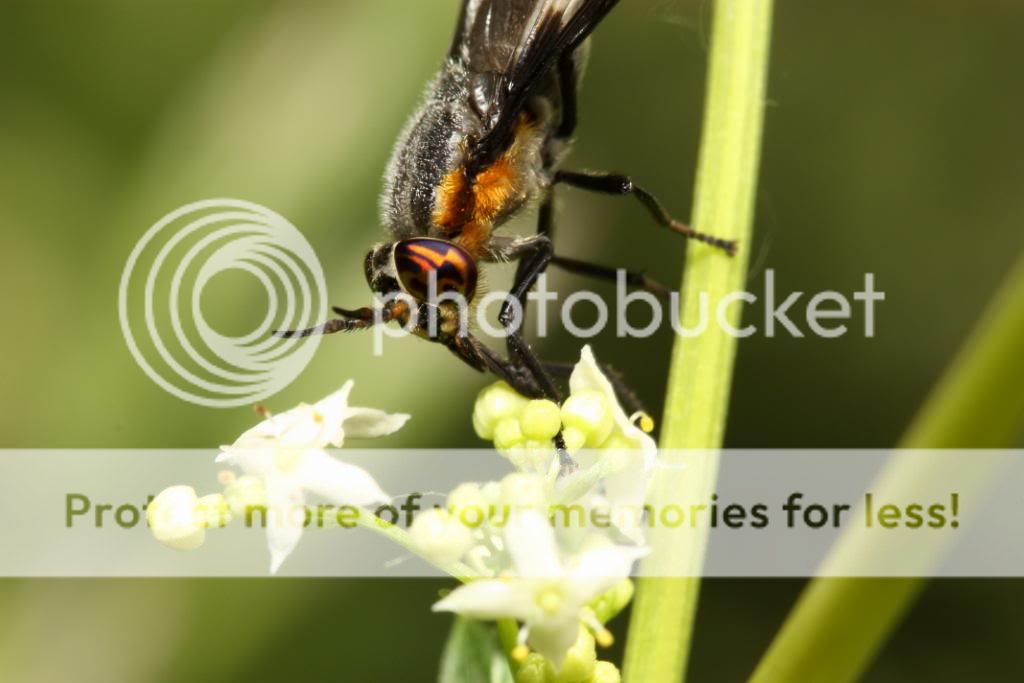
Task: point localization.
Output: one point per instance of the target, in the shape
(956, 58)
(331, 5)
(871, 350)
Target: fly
(487, 142)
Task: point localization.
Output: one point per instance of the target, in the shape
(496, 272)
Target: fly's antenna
(329, 327)
(359, 319)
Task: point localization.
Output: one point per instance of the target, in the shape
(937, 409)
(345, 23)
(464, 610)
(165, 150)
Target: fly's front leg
(480, 357)
(614, 184)
(534, 255)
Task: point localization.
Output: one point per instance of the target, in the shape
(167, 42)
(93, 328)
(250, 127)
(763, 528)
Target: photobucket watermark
(828, 314)
(169, 273)
(166, 277)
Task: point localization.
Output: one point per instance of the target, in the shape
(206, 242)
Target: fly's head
(433, 277)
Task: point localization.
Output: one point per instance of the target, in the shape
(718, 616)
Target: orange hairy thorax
(466, 209)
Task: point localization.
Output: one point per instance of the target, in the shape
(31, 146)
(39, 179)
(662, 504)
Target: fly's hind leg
(621, 185)
(634, 279)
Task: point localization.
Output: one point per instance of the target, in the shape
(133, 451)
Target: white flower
(628, 454)
(287, 452)
(548, 595)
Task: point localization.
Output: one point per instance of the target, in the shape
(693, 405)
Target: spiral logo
(170, 277)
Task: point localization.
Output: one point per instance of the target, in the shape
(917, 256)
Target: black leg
(546, 225)
(609, 183)
(535, 255)
(567, 85)
(633, 278)
(480, 357)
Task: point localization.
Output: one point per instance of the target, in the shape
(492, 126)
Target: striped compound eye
(417, 258)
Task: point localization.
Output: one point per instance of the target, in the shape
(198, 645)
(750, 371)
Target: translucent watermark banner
(953, 513)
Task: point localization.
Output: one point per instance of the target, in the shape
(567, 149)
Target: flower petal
(370, 423)
(332, 411)
(285, 522)
(490, 599)
(256, 458)
(601, 569)
(587, 376)
(626, 492)
(337, 482)
(553, 638)
(532, 545)
(333, 407)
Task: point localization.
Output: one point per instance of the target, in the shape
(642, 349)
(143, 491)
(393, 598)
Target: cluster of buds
(590, 418)
(561, 584)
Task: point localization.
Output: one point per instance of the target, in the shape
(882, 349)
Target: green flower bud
(588, 411)
(483, 429)
(172, 518)
(580, 661)
(213, 511)
(468, 505)
(532, 456)
(524, 491)
(495, 403)
(519, 456)
(608, 605)
(244, 494)
(508, 434)
(467, 497)
(575, 440)
(620, 442)
(491, 492)
(440, 537)
(606, 672)
(533, 670)
(540, 420)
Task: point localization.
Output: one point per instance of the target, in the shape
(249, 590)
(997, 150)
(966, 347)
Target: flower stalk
(700, 378)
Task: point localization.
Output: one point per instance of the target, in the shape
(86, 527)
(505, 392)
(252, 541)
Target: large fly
(488, 141)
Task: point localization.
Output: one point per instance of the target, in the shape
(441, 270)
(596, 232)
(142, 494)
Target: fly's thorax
(432, 145)
(428, 190)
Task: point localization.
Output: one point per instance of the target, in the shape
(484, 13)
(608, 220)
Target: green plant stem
(839, 624)
(701, 374)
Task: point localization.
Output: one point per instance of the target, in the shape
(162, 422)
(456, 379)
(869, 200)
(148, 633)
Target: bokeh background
(893, 146)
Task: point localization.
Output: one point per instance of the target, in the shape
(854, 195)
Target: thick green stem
(701, 374)
(839, 625)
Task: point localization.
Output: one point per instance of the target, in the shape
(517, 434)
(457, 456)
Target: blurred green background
(893, 146)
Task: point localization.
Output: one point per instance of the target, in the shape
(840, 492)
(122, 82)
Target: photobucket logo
(168, 271)
(826, 314)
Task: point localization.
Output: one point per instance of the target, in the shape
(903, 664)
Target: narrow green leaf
(473, 655)
(839, 625)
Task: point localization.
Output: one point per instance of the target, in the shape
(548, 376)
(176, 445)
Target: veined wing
(511, 46)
